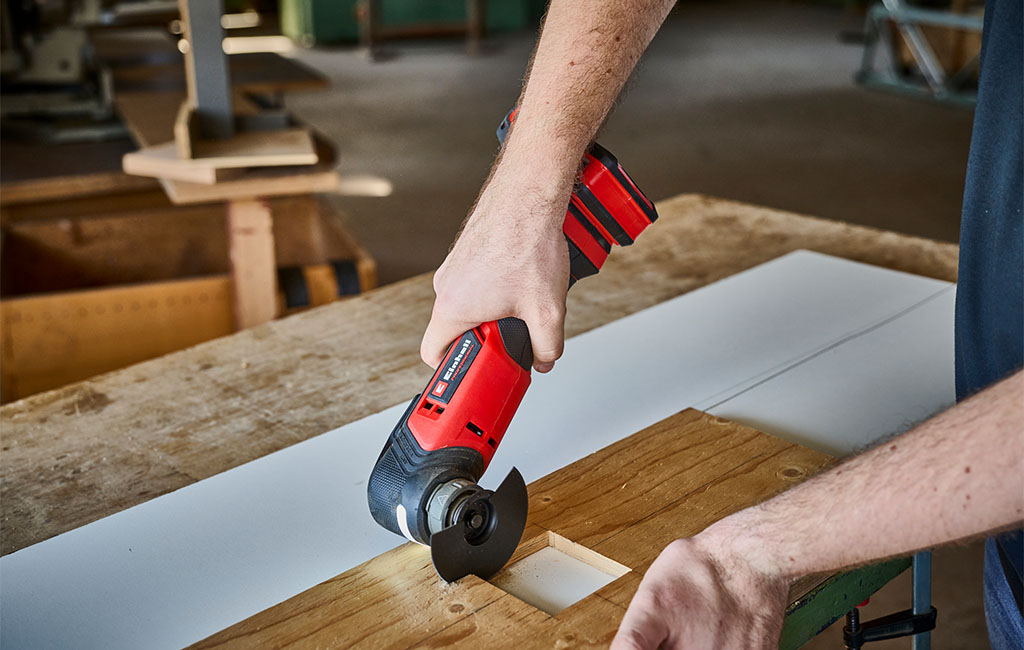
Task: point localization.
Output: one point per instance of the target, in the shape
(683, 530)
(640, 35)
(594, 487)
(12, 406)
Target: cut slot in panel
(475, 429)
(558, 574)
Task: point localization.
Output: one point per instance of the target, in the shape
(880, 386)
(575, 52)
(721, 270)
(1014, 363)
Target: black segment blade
(456, 556)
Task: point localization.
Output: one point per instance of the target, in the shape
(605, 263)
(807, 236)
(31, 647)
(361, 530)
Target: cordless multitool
(424, 484)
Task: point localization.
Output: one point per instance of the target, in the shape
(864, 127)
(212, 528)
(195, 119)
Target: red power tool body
(424, 482)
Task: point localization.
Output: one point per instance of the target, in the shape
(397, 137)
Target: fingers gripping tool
(424, 484)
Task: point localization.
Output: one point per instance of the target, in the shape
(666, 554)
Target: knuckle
(548, 313)
(547, 355)
(437, 280)
(553, 312)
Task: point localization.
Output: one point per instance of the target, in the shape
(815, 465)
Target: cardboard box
(82, 295)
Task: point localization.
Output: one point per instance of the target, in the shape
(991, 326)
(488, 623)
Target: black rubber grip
(406, 474)
(516, 338)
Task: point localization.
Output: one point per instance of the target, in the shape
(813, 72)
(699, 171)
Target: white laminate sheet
(808, 346)
(551, 580)
(870, 385)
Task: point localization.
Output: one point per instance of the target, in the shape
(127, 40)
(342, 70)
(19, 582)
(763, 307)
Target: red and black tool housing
(452, 429)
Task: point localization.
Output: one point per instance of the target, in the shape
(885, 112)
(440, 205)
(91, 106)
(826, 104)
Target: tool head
(484, 529)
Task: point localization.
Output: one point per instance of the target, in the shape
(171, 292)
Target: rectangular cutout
(558, 574)
(475, 429)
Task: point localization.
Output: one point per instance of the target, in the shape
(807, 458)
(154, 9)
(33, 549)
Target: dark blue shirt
(990, 289)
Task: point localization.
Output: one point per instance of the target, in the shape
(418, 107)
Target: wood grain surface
(74, 455)
(626, 502)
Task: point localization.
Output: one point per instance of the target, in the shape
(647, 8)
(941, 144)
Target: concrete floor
(753, 102)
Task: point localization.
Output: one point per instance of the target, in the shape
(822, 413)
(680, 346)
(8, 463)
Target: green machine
(327, 22)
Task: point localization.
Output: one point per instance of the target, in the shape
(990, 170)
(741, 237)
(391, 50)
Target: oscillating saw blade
(461, 549)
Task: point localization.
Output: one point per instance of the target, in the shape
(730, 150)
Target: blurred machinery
(103, 268)
(54, 87)
(924, 52)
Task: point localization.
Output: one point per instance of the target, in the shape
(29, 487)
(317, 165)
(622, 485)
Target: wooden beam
(253, 270)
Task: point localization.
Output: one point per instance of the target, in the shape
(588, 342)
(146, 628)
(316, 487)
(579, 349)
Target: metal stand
(918, 621)
(922, 597)
(209, 84)
(937, 84)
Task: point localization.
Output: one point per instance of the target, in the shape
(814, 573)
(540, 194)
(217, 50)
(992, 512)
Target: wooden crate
(89, 293)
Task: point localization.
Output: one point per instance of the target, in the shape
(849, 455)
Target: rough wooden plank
(262, 181)
(164, 424)
(253, 270)
(292, 146)
(287, 147)
(619, 483)
(626, 502)
(69, 187)
(150, 116)
(162, 160)
(361, 620)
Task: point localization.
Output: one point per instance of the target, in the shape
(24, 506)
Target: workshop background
(815, 107)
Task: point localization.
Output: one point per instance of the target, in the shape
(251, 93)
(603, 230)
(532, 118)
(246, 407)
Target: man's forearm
(960, 474)
(586, 52)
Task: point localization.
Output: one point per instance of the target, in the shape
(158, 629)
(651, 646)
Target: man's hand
(952, 477)
(510, 260)
(699, 594)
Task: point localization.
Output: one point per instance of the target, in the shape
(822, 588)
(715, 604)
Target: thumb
(438, 336)
(547, 335)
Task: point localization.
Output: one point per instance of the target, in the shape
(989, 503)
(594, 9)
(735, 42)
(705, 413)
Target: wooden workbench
(74, 455)
(77, 454)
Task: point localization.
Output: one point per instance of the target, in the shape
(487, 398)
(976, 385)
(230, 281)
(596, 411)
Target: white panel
(550, 580)
(873, 384)
(176, 569)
